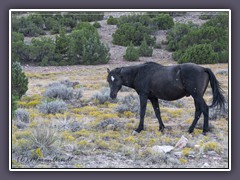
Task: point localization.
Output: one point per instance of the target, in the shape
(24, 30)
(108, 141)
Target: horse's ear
(108, 70)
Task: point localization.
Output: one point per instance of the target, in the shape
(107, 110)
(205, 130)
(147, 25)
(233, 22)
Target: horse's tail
(218, 98)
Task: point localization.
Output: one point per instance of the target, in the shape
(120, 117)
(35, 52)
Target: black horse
(153, 81)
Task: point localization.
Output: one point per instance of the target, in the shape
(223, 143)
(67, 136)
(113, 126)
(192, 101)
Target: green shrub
(134, 32)
(19, 49)
(175, 34)
(42, 51)
(153, 14)
(200, 54)
(131, 19)
(112, 21)
(163, 21)
(19, 84)
(19, 80)
(211, 38)
(85, 46)
(95, 52)
(31, 25)
(145, 50)
(131, 54)
(62, 43)
(52, 25)
(96, 24)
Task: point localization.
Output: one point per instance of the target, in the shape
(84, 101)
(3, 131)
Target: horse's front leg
(156, 108)
(143, 104)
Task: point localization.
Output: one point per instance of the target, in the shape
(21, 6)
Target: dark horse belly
(166, 84)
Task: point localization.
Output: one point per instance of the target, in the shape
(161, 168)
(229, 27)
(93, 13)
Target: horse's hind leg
(155, 105)
(201, 107)
(198, 113)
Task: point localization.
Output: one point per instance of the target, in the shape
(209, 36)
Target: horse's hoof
(190, 131)
(204, 133)
(161, 129)
(134, 132)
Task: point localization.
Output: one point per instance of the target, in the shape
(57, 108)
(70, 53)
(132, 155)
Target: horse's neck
(128, 75)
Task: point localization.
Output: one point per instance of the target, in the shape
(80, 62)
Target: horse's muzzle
(113, 95)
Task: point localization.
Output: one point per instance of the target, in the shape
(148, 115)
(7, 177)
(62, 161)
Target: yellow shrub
(38, 153)
(128, 114)
(175, 113)
(82, 132)
(197, 131)
(186, 151)
(102, 144)
(67, 136)
(33, 124)
(165, 118)
(183, 161)
(111, 105)
(111, 134)
(84, 110)
(100, 115)
(188, 121)
(31, 98)
(82, 143)
(212, 146)
(152, 141)
(130, 126)
(30, 101)
(114, 145)
(130, 139)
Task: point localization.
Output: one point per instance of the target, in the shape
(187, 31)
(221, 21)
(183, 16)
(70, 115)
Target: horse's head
(115, 81)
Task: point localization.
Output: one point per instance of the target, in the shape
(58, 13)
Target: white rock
(205, 165)
(162, 149)
(182, 142)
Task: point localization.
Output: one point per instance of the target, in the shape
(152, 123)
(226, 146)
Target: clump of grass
(103, 124)
(102, 96)
(63, 90)
(43, 138)
(53, 107)
(128, 103)
(21, 115)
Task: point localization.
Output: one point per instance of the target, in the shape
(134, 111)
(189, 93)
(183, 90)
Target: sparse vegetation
(52, 107)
